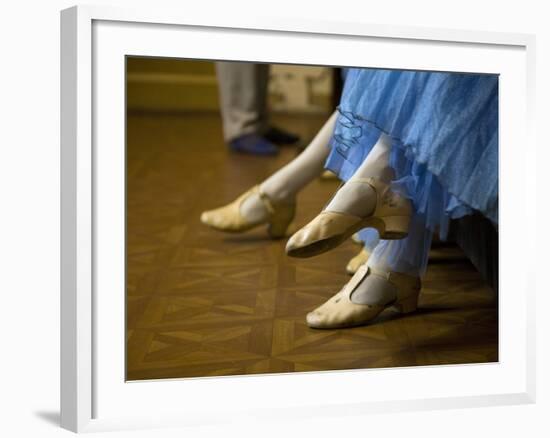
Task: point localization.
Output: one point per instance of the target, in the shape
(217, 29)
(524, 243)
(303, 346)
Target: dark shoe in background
(253, 144)
(279, 136)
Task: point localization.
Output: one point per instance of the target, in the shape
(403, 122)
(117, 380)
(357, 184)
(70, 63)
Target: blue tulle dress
(444, 133)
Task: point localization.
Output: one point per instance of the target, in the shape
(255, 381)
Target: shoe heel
(278, 230)
(408, 305)
(396, 227)
(280, 224)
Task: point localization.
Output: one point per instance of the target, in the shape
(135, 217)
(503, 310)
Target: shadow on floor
(51, 417)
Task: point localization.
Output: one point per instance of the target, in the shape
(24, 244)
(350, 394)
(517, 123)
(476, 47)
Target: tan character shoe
(341, 312)
(329, 229)
(229, 218)
(356, 262)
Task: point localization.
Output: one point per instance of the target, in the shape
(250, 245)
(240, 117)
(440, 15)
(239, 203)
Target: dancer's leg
(289, 180)
(366, 199)
(273, 202)
(283, 185)
(357, 199)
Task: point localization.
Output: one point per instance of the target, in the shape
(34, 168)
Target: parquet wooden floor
(204, 303)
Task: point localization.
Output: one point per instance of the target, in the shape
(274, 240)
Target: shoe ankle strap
(371, 181)
(393, 277)
(266, 201)
(357, 278)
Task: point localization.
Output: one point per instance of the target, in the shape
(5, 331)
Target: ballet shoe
(329, 229)
(229, 218)
(341, 312)
(355, 263)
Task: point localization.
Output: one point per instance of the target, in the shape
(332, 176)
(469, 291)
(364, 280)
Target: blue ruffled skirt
(444, 131)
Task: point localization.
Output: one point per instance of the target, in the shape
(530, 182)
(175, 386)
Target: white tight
(284, 184)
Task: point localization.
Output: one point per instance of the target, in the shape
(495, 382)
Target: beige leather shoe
(356, 262)
(329, 229)
(230, 219)
(340, 311)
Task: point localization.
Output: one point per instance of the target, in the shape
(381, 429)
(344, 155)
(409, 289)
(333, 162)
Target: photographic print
(296, 218)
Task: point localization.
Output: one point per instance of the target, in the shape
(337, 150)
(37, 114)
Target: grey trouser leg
(243, 95)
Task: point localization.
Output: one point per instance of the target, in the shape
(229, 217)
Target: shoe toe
(294, 242)
(302, 238)
(214, 218)
(351, 267)
(206, 217)
(315, 319)
(322, 234)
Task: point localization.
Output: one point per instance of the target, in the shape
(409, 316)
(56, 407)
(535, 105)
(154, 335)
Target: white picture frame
(93, 395)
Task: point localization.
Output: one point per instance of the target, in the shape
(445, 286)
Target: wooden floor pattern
(204, 303)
